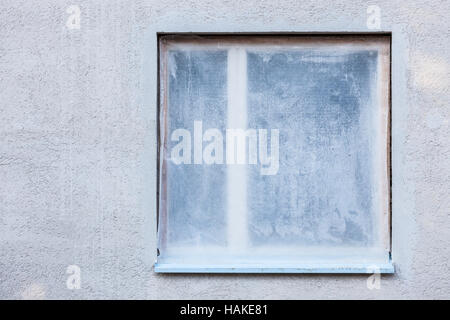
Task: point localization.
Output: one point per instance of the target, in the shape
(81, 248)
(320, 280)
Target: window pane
(195, 193)
(274, 151)
(322, 103)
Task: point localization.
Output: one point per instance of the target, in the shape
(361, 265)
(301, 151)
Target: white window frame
(386, 268)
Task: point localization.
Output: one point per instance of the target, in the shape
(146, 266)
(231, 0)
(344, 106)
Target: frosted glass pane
(274, 151)
(195, 193)
(323, 105)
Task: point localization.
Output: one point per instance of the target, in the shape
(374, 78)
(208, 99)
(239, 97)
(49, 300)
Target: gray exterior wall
(78, 155)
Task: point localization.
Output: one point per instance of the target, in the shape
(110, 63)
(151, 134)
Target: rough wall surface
(77, 135)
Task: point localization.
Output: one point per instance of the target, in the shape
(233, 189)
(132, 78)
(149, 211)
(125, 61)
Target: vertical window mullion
(237, 230)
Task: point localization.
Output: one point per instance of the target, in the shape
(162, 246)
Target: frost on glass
(322, 103)
(323, 202)
(196, 90)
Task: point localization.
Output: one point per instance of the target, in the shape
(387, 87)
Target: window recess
(274, 154)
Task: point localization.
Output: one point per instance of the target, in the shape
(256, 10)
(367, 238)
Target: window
(274, 153)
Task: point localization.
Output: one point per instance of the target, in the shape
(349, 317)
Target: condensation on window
(327, 200)
(197, 91)
(323, 105)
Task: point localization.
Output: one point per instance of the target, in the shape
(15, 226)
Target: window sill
(387, 268)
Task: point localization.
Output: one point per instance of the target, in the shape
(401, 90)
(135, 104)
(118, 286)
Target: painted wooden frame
(379, 42)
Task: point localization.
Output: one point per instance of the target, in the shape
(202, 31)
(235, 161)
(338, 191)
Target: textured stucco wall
(77, 151)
